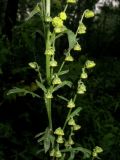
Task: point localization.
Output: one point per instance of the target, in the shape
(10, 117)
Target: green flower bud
(59, 131)
(52, 153)
(48, 95)
(71, 1)
(81, 88)
(89, 64)
(63, 15)
(58, 30)
(50, 51)
(98, 149)
(71, 104)
(48, 19)
(89, 14)
(83, 74)
(53, 63)
(81, 28)
(77, 47)
(70, 141)
(94, 154)
(69, 58)
(33, 65)
(56, 80)
(60, 140)
(71, 122)
(76, 127)
(58, 154)
(57, 22)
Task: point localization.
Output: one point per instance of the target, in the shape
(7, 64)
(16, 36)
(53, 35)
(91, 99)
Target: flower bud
(81, 28)
(58, 154)
(81, 88)
(71, 104)
(69, 58)
(77, 47)
(50, 51)
(83, 74)
(33, 65)
(57, 22)
(89, 64)
(53, 63)
(98, 149)
(52, 153)
(60, 140)
(70, 141)
(48, 95)
(89, 14)
(71, 122)
(63, 15)
(59, 131)
(76, 127)
(56, 80)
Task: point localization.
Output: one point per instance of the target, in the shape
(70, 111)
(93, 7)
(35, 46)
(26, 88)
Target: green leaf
(17, 90)
(75, 112)
(39, 134)
(61, 97)
(40, 85)
(33, 12)
(63, 72)
(71, 39)
(68, 83)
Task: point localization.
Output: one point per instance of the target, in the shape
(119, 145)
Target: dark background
(22, 117)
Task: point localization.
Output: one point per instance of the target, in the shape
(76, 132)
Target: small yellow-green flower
(70, 141)
(60, 140)
(89, 64)
(98, 149)
(63, 15)
(71, 1)
(89, 14)
(71, 122)
(81, 88)
(76, 127)
(58, 30)
(77, 47)
(82, 28)
(59, 131)
(48, 95)
(50, 51)
(56, 80)
(58, 154)
(69, 58)
(57, 22)
(52, 153)
(71, 104)
(53, 63)
(83, 74)
(33, 65)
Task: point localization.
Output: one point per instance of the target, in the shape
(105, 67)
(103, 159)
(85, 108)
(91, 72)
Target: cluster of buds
(69, 58)
(48, 95)
(81, 28)
(56, 80)
(56, 153)
(81, 88)
(77, 47)
(71, 1)
(57, 22)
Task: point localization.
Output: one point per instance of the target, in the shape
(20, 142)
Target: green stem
(61, 67)
(48, 74)
(70, 110)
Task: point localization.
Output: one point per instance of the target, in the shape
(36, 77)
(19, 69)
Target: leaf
(33, 12)
(16, 90)
(40, 85)
(68, 83)
(71, 39)
(65, 99)
(75, 112)
(63, 72)
(39, 134)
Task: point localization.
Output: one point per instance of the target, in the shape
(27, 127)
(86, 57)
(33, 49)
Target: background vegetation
(22, 117)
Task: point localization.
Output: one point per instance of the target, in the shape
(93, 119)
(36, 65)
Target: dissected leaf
(33, 12)
(17, 90)
(75, 112)
(71, 39)
(68, 83)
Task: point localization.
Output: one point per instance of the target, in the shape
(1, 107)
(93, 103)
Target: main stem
(48, 75)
